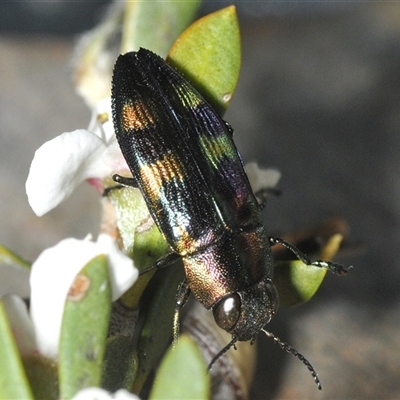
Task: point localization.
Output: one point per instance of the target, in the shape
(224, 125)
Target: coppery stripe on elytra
(135, 116)
(162, 171)
(186, 244)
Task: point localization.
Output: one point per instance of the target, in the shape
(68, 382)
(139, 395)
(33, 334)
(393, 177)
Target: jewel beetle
(187, 167)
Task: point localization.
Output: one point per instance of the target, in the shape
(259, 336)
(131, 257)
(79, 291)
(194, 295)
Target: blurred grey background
(319, 99)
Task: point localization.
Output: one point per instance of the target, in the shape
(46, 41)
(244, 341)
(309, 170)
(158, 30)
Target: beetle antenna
(294, 352)
(336, 268)
(222, 352)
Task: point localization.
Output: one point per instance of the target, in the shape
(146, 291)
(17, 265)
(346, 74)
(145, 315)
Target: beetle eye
(227, 311)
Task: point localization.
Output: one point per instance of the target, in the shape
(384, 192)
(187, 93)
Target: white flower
(95, 393)
(51, 277)
(62, 163)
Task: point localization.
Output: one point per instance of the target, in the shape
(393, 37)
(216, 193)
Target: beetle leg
(331, 266)
(162, 262)
(125, 180)
(182, 296)
(222, 352)
(122, 182)
(109, 189)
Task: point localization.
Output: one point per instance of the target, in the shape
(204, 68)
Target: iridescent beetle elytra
(186, 165)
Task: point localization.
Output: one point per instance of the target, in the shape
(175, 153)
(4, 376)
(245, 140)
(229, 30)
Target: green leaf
(155, 25)
(131, 211)
(84, 328)
(14, 273)
(158, 308)
(182, 374)
(10, 258)
(208, 54)
(141, 238)
(297, 282)
(120, 363)
(13, 380)
(43, 377)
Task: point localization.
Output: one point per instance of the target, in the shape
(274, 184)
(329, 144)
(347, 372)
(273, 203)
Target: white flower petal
(261, 178)
(121, 275)
(101, 125)
(60, 165)
(52, 275)
(21, 323)
(95, 393)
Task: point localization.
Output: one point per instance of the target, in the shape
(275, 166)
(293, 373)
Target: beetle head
(243, 314)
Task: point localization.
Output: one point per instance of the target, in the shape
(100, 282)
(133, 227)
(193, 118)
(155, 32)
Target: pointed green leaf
(208, 53)
(297, 282)
(13, 381)
(182, 374)
(155, 25)
(14, 273)
(10, 258)
(84, 328)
